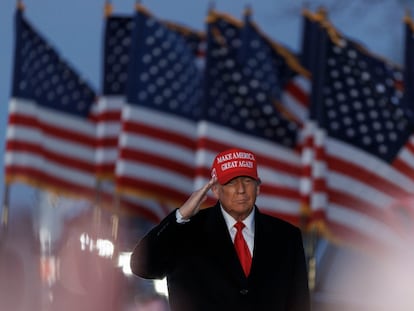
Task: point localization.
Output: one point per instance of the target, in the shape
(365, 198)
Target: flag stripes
(335, 144)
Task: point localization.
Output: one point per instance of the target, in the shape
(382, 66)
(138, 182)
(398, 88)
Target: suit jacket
(203, 271)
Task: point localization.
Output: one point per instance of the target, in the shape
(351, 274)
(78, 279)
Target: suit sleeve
(154, 256)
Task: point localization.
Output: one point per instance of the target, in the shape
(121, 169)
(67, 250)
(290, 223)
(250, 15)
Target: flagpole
(115, 219)
(108, 8)
(20, 4)
(311, 250)
(211, 5)
(97, 214)
(248, 11)
(5, 210)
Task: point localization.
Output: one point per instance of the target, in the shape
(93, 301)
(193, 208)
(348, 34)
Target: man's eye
(247, 180)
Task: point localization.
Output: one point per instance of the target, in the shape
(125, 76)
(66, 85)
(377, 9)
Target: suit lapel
(267, 246)
(222, 246)
(261, 243)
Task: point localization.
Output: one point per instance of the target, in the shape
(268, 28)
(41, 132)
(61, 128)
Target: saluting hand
(193, 203)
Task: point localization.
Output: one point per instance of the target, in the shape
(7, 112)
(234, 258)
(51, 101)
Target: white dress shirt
(248, 230)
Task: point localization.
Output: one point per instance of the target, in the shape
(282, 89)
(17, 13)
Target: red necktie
(242, 249)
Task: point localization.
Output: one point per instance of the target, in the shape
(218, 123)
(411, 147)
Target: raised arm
(156, 253)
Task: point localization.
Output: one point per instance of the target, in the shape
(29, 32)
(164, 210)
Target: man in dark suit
(198, 250)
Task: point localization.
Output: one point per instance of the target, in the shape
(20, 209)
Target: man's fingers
(208, 186)
(201, 193)
(191, 206)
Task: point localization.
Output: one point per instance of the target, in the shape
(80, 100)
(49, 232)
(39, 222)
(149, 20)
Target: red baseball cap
(234, 163)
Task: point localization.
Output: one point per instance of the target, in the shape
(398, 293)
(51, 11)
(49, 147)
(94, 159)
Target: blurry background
(57, 253)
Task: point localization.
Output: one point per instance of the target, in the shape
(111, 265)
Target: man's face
(238, 196)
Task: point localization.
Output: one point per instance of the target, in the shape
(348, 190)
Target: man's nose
(240, 187)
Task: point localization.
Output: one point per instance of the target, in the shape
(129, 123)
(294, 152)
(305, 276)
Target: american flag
(409, 66)
(50, 140)
(280, 68)
(240, 112)
(401, 213)
(116, 48)
(195, 39)
(117, 43)
(313, 183)
(159, 120)
(311, 27)
(277, 69)
(116, 55)
(369, 144)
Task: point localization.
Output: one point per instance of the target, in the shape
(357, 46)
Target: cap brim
(225, 178)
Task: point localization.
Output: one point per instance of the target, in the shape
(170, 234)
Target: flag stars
(382, 149)
(366, 91)
(334, 74)
(357, 105)
(147, 58)
(168, 78)
(150, 41)
(373, 114)
(402, 125)
(366, 140)
(163, 63)
(22, 85)
(363, 110)
(354, 93)
(380, 138)
(118, 42)
(380, 88)
(151, 89)
(350, 132)
(392, 136)
(160, 81)
(156, 52)
(250, 124)
(389, 82)
(142, 96)
(338, 85)
(363, 129)
(334, 125)
(347, 121)
(341, 97)
(331, 114)
(251, 63)
(236, 77)
(268, 109)
(261, 97)
(153, 70)
(50, 96)
(344, 109)
(235, 120)
(238, 85)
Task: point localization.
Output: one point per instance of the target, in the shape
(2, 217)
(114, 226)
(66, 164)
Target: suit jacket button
(244, 291)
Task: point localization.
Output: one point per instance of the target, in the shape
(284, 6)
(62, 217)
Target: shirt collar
(230, 221)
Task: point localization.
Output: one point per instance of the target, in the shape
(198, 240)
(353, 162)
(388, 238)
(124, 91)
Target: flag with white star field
(369, 140)
(50, 138)
(239, 111)
(158, 137)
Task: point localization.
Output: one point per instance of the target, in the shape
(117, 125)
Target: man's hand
(192, 205)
